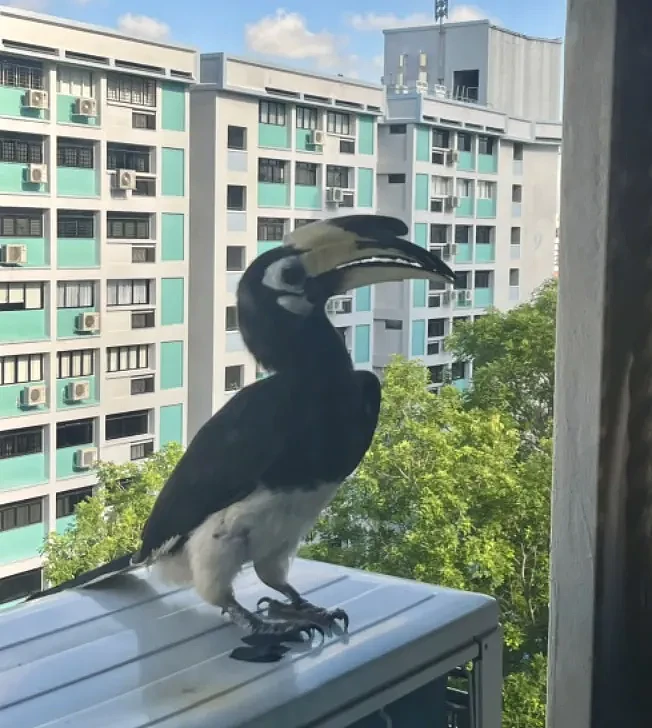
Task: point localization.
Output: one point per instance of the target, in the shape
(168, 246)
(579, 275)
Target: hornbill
(256, 476)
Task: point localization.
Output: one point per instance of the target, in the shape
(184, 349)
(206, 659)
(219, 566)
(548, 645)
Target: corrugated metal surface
(138, 653)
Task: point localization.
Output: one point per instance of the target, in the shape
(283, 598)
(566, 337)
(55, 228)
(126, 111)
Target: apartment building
(94, 151)
(469, 158)
(271, 149)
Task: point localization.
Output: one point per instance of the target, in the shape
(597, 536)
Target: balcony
(485, 252)
(14, 399)
(486, 208)
(465, 207)
(19, 544)
(76, 172)
(81, 110)
(273, 136)
(484, 297)
(307, 197)
(76, 392)
(26, 99)
(272, 194)
(24, 470)
(487, 163)
(24, 177)
(466, 162)
(78, 321)
(463, 253)
(23, 325)
(463, 298)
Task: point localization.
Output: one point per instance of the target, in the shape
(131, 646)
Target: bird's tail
(118, 566)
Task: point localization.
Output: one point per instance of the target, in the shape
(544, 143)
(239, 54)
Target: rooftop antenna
(441, 12)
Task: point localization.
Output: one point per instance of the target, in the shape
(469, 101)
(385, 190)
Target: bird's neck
(321, 355)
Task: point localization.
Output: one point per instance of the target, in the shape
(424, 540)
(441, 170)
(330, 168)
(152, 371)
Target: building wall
(78, 62)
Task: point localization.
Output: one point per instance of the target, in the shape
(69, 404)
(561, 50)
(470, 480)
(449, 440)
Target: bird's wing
(222, 464)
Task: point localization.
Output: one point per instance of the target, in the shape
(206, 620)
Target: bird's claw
(324, 618)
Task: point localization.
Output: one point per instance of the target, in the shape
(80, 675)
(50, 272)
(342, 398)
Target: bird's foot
(303, 610)
(274, 631)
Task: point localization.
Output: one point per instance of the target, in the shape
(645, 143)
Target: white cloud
(143, 26)
(364, 22)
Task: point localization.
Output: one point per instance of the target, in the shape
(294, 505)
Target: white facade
(104, 108)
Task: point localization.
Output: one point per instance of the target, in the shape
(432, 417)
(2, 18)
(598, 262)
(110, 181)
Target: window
(338, 123)
(21, 296)
(21, 224)
(235, 257)
(270, 228)
(518, 151)
(458, 370)
(441, 138)
(436, 374)
(393, 325)
(236, 137)
(20, 585)
(135, 158)
(127, 358)
(20, 514)
(78, 363)
(236, 197)
(15, 443)
(143, 121)
(436, 327)
(337, 176)
(75, 294)
(305, 174)
(126, 424)
(142, 450)
(271, 112)
(396, 179)
(231, 318)
(462, 234)
(75, 154)
(271, 170)
(21, 150)
(464, 188)
(347, 146)
(436, 286)
(141, 254)
(76, 433)
(142, 319)
(517, 193)
(442, 186)
(484, 234)
(233, 378)
(398, 128)
(460, 320)
(486, 190)
(75, 82)
(21, 369)
(464, 143)
(67, 502)
(134, 292)
(300, 222)
(438, 234)
(128, 227)
(483, 279)
(515, 236)
(75, 225)
(142, 385)
(20, 75)
(133, 90)
(307, 118)
(486, 145)
(514, 276)
(461, 281)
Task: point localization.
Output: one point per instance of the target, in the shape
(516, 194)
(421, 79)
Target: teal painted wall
(466, 162)
(463, 253)
(21, 543)
(11, 400)
(274, 137)
(363, 299)
(172, 303)
(484, 297)
(366, 130)
(11, 104)
(23, 326)
(172, 236)
(38, 253)
(423, 148)
(418, 346)
(173, 172)
(486, 208)
(66, 112)
(465, 208)
(421, 234)
(419, 293)
(272, 194)
(301, 137)
(485, 253)
(67, 322)
(78, 253)
(487, 163)
(461, 384)
(13, 178)
(362, 344)
(65, 459)
(265, 245)
(63, 524)
(171, 424)
(73, 182)
(173, 106)
(24, 470)
(171, 364)
(365, 187)
(307, 198)
(64, 403)
(421, 192)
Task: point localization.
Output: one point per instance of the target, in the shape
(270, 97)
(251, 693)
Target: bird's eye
(294, 275)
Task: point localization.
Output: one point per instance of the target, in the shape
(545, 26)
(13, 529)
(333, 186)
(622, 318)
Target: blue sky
(336, 36)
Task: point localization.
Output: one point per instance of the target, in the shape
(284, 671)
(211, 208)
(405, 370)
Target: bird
(255, 478)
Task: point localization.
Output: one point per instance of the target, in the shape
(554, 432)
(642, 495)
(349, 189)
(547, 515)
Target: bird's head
(282, 294)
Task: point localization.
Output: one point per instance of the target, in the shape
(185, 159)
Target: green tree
(445, 495)
(109, 524)
(513, 355)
